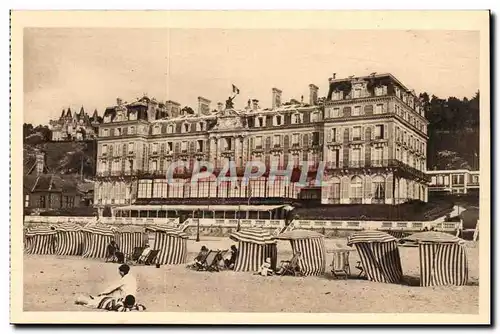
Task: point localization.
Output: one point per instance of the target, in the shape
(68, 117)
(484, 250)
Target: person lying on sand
(265, 268)
(110, 304)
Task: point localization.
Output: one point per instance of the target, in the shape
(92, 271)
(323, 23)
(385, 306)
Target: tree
(27, 129)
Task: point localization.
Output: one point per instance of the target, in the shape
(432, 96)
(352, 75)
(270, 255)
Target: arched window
(356, 189)
(185, 127)
(378, 184)
(200, 126)
(156, 130)
(170, 128)
(335, 192)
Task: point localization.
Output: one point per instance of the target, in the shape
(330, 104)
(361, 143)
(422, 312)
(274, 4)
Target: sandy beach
(51, 283)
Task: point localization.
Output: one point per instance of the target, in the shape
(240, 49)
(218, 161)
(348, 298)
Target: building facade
(77, 126)
(458, 181)
(370, 133)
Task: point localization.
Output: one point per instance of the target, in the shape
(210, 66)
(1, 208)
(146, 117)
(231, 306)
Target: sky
(92, 67)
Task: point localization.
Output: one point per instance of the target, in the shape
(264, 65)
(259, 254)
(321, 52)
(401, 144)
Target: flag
(236, 90)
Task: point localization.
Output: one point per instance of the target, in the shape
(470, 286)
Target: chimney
(276, 103)
(119, 101)
(203, 106)
(255, 104)
(40, 162)
(313, 94)
(220, 106)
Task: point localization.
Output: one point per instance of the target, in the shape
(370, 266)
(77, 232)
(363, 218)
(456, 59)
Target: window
(105, 132)
(433, 180)
(170, 128)
(315, 138)
(446, 180)
(276, 140)
(154, 148)
(398, 92)
(118, 132)
(227, 142)
(259, 122)
(278, 120)
(356, 189)
(156, 130)
(338, 95)
(185, 127)
(131, 130)
(356, 133)
(378, 183)
(130, 147)
(378, 156)
(336, 112)
(258, 142)
(184, 146)
(356, 111)
(297, 118)
(170, 147)
(199, 146)
(42, 202)
(357, 93)
(153, 166)
(380, 90)
(104, 149)
(315, 116)
(200, 126)
(379, 109)
(356, 156)
(26, 201)
(335, 193)
(295, 139)
(333, 134)
(132, 116)
(379, 132)
(457, 179)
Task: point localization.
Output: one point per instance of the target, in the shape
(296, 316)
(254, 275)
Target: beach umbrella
(128, 237)
(254, 246)
(443, 258)
(96, 240)
(40, 240)
(379, 255)
(311, 245)
(69, 239)
(171, 244)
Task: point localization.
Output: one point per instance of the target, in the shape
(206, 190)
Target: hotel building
(369, 131)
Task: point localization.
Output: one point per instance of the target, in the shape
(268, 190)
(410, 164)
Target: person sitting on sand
(265, 268)
(232, 260)
(111, 251)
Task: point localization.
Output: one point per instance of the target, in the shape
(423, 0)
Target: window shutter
(268, 144)
(305, 140)
(162, 149)
(307, 117)
(252, 143)
(345, 157)
(285, 160)
(286, 142)
(385, 131)
(161, 164)
(388, 186)
(368, 155)
(368, 133)
(345, 183)
(346, 136)
(329, 135)
(177, 147)
(192, 148)
(368, 187)
(310, 140)
(205, 146)
(321, 137)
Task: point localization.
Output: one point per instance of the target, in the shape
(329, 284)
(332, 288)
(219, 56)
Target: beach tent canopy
(255, 245)
(175, 232)
(99, 229)
(128, 237)
(40, 230)
(171, 243)
(432, 237)
(299, 234)
(311, 245)
(369, 236)
(253, 235)
(443, 258)
(131, 229)
(69, 240)
(96, 239)
(40, 240)
(379, 255)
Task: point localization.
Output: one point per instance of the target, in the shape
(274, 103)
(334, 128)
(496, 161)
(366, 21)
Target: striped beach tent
(40, 240)
(171, 243)
(69, 239)
(128, 237)
(379, 255)
(254, 246)
(311, 245)
(96, 240)
(443, 258)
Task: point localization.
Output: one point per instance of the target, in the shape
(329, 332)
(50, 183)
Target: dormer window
(156, 130)
(185, 127)
(338, 95)
(398, 92)
(200, 126)
(380, 90)
(315, 116)
(132, 116)
(170, 128)
(357, 93)
(107, 119)
(105, 132)
(297, 118)
(260, 121)
(131, 130)
(278, 120)
(118, 132)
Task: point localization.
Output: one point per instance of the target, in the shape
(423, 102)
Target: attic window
(170, 128)
(315, 116)
(107, 119)
(278, 120)
(132, 116)
(380, 90)
(185, 127)
(297, 118)
(200, 126)
(259, 122)
(105, 132)
(156, 130)
(131, 130)
(338, 95)
(118, 132)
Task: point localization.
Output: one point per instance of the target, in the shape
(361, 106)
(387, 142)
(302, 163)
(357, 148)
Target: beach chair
(136, 254)
(359, 266)
(150, 258)
(291, 267)
(210, 263)
(340, 264)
